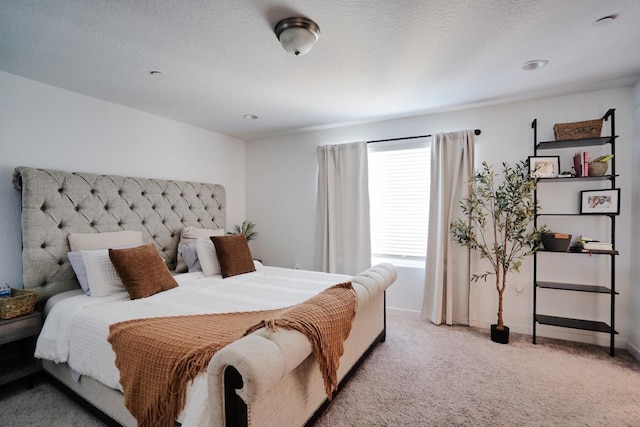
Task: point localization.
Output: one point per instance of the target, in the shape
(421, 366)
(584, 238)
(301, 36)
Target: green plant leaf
(247, 228)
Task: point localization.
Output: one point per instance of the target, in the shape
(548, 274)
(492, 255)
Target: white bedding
(76, 329)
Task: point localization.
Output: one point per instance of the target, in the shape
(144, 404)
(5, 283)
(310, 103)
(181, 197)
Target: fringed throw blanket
(158, 357)
(326, 321)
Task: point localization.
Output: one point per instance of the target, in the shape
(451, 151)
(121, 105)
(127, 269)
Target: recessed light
(534, 64)
(250, 116)
(605, 20)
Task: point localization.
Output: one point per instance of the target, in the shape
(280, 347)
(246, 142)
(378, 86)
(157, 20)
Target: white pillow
(102, 276)
(93, 241)
(77, 263)
(190, 235)
(207, 257)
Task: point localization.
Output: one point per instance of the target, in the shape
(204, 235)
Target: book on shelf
(581, 163)
(597, 246)
(585, 163)
(579, 248)
(586, 244)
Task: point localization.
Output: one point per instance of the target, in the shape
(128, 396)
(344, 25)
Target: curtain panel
(447, 274)
(343, 228)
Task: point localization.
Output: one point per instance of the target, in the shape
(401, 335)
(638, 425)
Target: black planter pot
(501, 337)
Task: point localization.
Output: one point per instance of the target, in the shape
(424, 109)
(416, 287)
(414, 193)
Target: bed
(264, 378)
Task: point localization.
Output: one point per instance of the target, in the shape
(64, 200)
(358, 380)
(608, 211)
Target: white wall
(634, 291)
(43, 126)
(281, 196)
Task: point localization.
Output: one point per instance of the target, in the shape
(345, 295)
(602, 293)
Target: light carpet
(426, 375)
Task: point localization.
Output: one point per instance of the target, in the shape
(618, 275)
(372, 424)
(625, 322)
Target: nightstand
(17, 343)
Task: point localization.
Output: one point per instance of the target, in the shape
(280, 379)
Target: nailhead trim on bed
(57, 203)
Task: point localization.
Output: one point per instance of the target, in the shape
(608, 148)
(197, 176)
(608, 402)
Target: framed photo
(600, 202)
(544, 167)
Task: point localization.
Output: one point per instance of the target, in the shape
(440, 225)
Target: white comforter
(76, 329)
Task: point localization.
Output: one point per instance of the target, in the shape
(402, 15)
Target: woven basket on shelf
(598, 168)
(578, 130)
(20, 302)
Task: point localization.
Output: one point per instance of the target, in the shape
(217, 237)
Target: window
(399, 179)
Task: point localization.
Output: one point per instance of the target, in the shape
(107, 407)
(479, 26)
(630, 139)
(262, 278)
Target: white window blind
(399, 180)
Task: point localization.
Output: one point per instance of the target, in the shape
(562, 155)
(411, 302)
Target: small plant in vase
(497, 222)
(248, 228)
(599, 166)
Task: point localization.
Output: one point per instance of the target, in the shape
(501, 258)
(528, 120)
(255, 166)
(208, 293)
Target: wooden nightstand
(17, 343)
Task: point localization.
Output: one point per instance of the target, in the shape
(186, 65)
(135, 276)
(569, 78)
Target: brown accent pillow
(234, 254)
(142, 270)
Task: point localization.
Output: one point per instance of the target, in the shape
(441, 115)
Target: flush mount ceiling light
(534, 64)
(297, 35)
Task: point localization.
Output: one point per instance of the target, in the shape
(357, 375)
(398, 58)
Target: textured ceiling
(374, 59)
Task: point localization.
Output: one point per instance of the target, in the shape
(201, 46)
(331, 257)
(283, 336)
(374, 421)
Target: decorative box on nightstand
(17, 344)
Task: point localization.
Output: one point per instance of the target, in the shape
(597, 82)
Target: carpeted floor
(425, 375)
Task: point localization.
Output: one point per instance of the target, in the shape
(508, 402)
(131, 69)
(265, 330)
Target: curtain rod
(476, 131)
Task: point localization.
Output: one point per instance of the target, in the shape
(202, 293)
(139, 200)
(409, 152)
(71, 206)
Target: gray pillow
(190, 235)
(190, 257)
(75, 258)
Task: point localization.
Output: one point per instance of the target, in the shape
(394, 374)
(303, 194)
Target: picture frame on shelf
(599, 202)
(544, 166)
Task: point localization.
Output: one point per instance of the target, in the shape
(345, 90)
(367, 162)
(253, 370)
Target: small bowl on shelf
(556, 242)
(598, 168)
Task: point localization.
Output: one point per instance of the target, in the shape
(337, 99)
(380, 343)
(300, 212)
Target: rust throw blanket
(158, 357)
(326, 321)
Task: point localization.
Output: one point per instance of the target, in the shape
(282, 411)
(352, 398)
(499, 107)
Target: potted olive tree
(496, 222)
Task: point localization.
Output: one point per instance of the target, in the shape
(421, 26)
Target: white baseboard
(546, 331)
(635, 351)
(403, 312)
(577, 335)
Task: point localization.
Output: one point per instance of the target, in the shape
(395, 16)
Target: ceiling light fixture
(534, 64)
(250, 117)
(297, 35)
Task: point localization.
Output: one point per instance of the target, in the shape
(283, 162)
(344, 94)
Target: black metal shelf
(610, 289)
(575, 214)
(588, 142)
(577, 178)
(566, 322)
(582, 252)
(575, 287)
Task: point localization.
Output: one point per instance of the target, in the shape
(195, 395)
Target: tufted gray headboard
(57, 203)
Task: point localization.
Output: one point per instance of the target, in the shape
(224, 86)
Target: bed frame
(57, 203)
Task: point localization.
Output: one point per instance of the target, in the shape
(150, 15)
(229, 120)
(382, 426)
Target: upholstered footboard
(272, 378)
